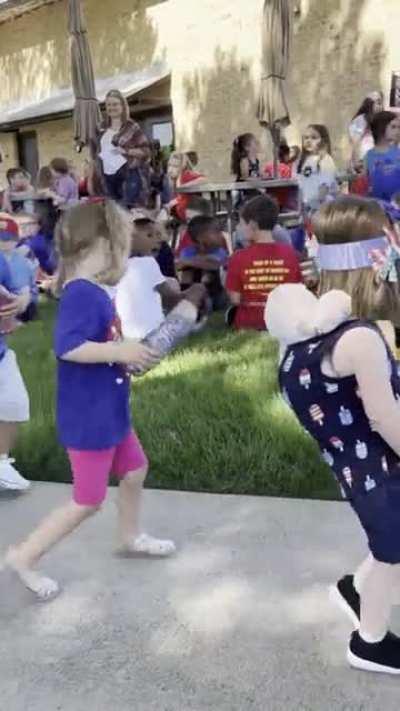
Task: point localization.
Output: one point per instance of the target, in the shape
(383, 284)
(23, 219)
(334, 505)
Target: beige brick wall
(341, 50)
(8, 150)
(54, 139)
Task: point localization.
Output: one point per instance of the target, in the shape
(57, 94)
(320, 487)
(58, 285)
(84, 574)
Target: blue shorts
(379, 514)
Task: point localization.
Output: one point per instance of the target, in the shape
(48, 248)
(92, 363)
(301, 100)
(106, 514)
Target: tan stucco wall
(341, 50)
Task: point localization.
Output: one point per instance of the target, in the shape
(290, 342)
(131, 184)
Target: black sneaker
(383, 657)
(345, 596)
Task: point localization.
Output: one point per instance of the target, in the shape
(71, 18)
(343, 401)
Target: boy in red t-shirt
(255, 271)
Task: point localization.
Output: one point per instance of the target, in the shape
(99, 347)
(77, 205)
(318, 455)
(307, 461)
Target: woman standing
(123, 145)
(360, 133)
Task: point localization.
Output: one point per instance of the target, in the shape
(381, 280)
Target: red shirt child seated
(255, 271)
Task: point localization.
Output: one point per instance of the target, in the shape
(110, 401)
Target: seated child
(256, 270)
(196, 206)
(45, 185)
(19, 181)
(144, 293)
(287, 156)
(203, 261)
(42, 243)
(22, 269)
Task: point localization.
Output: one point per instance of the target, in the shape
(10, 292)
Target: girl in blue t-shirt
(383, 161)
(93, 415)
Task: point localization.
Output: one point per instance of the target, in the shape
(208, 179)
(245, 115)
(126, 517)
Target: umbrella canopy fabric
(277, 24)
(86, 112)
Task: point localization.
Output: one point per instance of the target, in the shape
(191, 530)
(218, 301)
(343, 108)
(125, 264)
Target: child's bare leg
(129, 505)
(8, 436)
(376, 601)
(24, 557)
(362, 572)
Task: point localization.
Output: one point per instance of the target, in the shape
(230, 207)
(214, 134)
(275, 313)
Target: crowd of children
(118, 272)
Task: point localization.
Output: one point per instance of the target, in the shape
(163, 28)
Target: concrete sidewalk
(239, 620)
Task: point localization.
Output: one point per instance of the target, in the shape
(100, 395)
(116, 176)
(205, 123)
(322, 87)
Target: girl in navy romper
(344, 387)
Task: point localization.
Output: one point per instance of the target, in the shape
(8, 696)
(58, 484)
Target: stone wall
(341, 50)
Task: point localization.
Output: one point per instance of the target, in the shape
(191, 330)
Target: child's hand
(384, 260)
(12, 308)
(131, 352)
(16, 304)
(196, 295)
(309, 273)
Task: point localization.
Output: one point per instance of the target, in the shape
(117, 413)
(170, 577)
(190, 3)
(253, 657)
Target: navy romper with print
(331, 410)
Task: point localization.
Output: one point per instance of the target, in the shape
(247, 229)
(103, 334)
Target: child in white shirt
(144, 293)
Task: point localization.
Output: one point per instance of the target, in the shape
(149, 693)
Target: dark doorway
(28, 153)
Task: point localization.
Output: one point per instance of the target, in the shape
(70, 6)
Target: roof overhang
(11, 9)
(60, 103)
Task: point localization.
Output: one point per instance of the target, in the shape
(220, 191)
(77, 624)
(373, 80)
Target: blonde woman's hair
(82, 227)
(355, 219)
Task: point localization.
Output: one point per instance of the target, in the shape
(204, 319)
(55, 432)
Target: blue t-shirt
(43, 248)
(384, 172)
(219, 253)
(6, 281)
(92, 399)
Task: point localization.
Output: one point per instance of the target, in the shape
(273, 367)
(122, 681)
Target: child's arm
(244, 169)
(7, 204)
(171, 297)
(126, 352)
(234, 297)
(361, 352)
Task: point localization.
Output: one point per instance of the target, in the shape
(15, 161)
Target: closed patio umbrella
(276, 35)
(86, 111)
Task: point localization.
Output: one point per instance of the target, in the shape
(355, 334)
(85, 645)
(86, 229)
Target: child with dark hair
(316, 170)
(144, 293)
(196, 206)
(383, 161)
(19, 182)
(245, 163)
(42, 243)
(256, 270)
(360, 127)
(287, 156)
(203, 260)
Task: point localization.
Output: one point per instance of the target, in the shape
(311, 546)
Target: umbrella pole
(275, 135)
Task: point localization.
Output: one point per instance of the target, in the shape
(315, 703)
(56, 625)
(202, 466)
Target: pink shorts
(91, 468)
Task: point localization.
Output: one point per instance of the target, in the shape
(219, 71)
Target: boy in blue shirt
(204, 260)
(14, 402)
(22, 264)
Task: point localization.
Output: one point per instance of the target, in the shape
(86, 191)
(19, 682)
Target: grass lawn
(209, 416)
